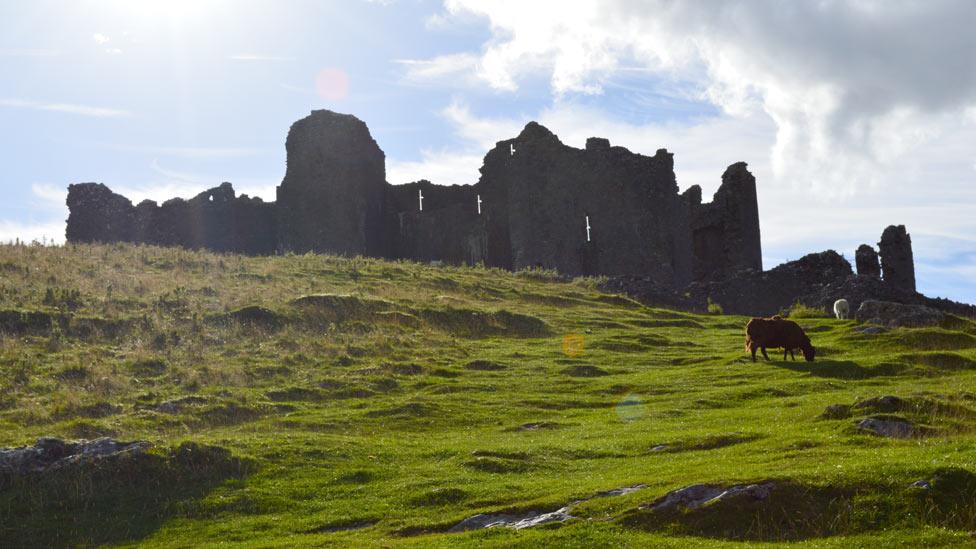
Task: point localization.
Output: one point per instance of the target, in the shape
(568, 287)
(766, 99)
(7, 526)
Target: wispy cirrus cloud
(258, 57)
(45, 231)
(188, 152)
(69, 108)
(176, 182)
(103, 40)
(28, 52)
(51, 196)
(444, 69)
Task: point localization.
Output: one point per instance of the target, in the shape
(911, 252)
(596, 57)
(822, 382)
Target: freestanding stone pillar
(897, 262)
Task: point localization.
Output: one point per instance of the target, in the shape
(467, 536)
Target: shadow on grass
(115, 500)
(844, 369)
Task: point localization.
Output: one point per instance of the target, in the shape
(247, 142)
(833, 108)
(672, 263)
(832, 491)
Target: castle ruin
(601, 210)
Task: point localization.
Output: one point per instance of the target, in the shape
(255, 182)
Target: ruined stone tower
(725, 232)
(897, 261)
(331, 199)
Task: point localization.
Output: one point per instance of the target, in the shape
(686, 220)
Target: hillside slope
(314, 400)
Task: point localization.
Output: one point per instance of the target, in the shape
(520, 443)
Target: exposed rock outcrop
(892, 427)
(887, 313)
(700, 495)
(53, 453)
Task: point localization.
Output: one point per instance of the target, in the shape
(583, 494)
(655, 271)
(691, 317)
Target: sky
(851, 115)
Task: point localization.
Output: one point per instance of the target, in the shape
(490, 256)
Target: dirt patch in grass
(74, 374)
(230, 413)
(585, 370)
(16, 322)
(940, 361)
(343, 526)
(708, 442)
(471, 323)
(631, 344)
(252, 316)
(539, 426)
(923, 339)
(88, 430)
(148, 367)
(845, 369)
(403, 369)
(554, 300)
(484, 366)
(488, 464)
(665, 323)
(439, 496)
(323, 308)
(411, 409)
(295, 394)
(619, 301)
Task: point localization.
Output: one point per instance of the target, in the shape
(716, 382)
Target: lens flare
(332, 84)
(631, 408)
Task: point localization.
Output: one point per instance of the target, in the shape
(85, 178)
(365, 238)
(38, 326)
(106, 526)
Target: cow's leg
(766, 356)
(786, 351)
(753, 347)
(793, 355)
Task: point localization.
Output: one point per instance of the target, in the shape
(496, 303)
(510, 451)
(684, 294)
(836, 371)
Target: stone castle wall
(536, 196)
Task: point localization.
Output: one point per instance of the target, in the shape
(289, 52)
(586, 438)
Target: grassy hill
(313, 400)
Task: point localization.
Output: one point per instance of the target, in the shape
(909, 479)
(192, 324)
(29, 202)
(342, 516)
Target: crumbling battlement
(214, 219)
(538, 203)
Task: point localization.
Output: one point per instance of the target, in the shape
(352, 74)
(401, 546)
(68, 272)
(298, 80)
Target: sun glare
(182, 11)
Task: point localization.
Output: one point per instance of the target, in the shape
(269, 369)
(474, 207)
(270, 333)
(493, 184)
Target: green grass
(799, 310)
(314, 400)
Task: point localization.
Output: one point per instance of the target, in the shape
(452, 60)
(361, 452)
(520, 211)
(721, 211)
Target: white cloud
(460, 164)
(177, 183)
(849, 86)
(257, 57)
(443, 167)
(450, 69)
(189, 152)
(28, 52)
(100, 38)
(52, 196)
(51, 232)
(83, 110)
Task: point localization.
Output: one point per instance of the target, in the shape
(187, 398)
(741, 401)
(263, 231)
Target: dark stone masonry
(897, 261)
(867, 261)
(600, 210)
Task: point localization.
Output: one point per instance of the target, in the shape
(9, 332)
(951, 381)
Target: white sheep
(842, 309)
